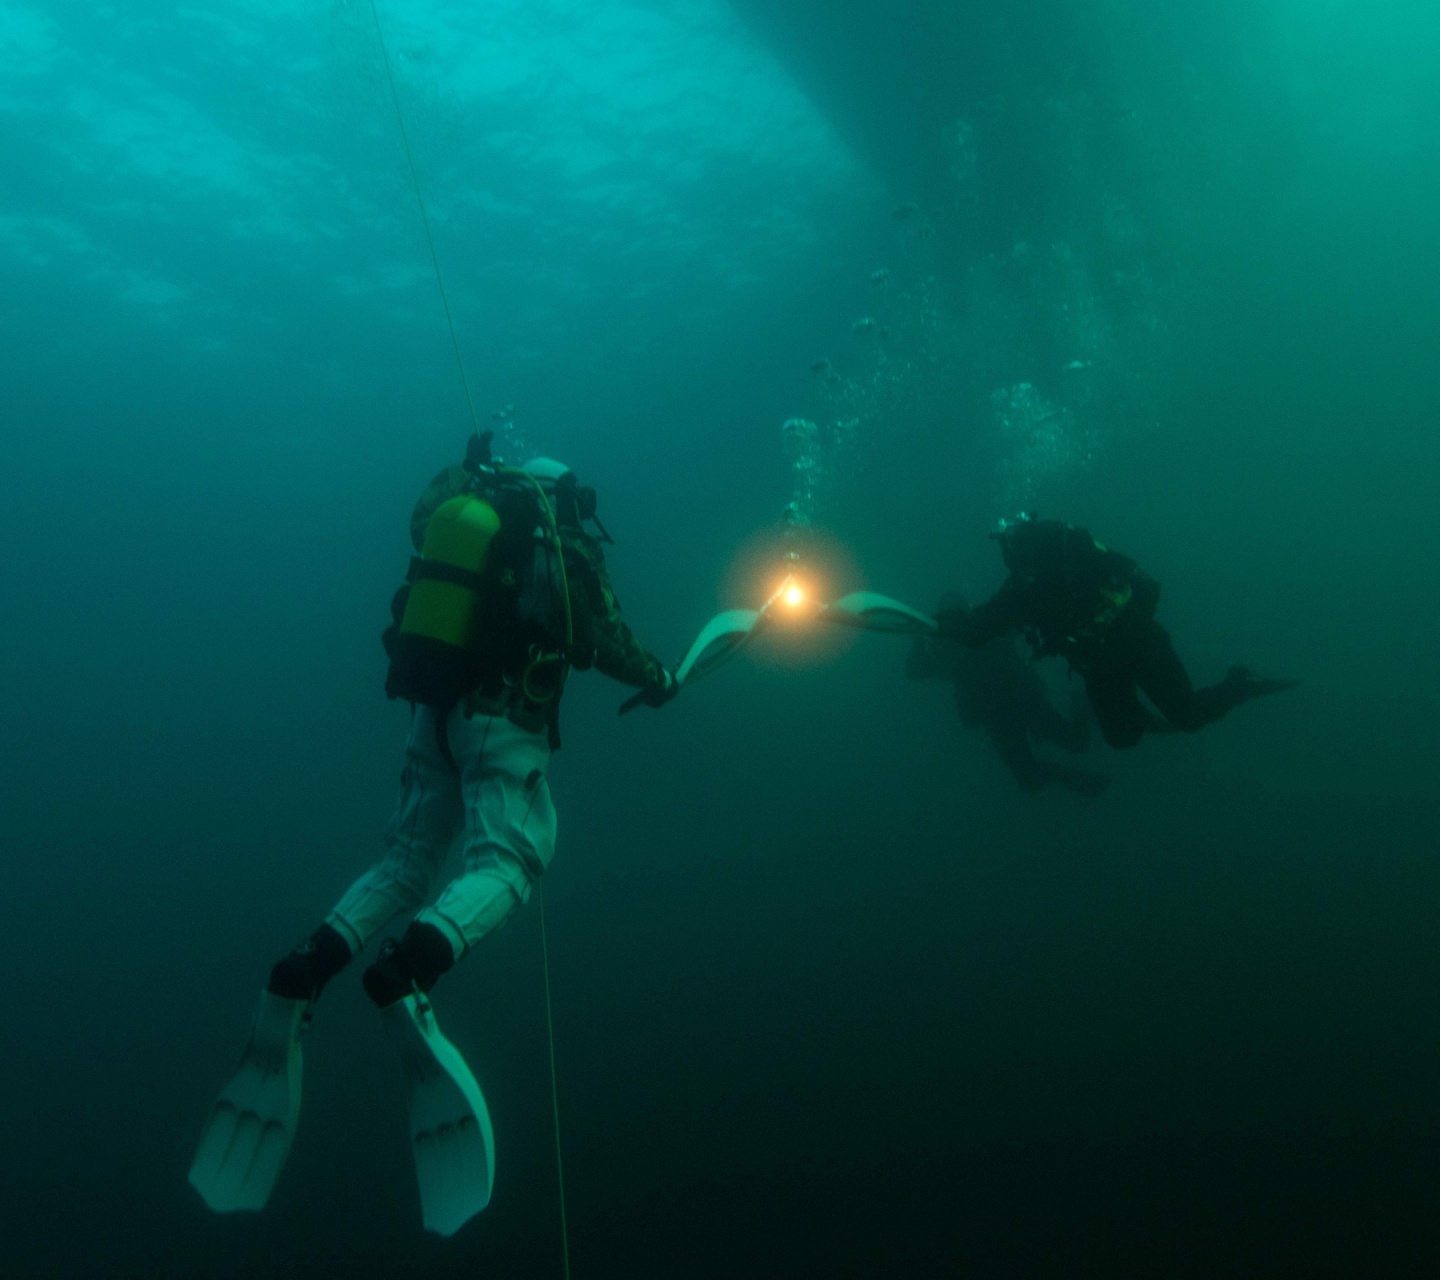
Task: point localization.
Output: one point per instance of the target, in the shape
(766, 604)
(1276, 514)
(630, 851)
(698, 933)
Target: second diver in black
(1073, 598)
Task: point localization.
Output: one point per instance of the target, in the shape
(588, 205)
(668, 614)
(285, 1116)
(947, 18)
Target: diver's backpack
(485, 604)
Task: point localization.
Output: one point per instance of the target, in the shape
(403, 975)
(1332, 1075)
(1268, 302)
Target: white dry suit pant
(496, 801)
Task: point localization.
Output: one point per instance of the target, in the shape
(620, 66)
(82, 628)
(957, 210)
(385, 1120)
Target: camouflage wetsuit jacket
(602, 640)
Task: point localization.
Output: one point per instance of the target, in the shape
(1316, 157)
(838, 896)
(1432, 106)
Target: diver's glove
(656, 694)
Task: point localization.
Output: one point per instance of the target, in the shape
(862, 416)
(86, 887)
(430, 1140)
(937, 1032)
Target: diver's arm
(605, 640)
(1002, 613)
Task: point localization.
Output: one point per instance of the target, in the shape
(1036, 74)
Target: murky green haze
(832, 998)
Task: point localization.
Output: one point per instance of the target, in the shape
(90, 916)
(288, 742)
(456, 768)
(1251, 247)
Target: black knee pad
(416, 961)
(302, 974)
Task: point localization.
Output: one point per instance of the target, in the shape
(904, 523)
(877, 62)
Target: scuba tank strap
(422, 570)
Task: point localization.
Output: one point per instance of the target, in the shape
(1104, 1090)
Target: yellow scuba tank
(442, 605)
(431, 657)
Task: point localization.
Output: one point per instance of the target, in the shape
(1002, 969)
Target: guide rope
(475, 420)
(554, 1089)
(424, 215)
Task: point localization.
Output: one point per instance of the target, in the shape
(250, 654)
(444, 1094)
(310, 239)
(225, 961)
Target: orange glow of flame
(794, 595)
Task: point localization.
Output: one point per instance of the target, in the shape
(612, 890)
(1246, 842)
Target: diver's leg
(1013, 747)
(1167, 684)
(1161, 674)
(1110, 685)
(1071, 733)
(509, 839)
(509, 825)
(426, 820)
(509, 832)
(1033, 774)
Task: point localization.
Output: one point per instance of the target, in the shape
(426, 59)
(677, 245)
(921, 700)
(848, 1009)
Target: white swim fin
(873, 612)
(252, 1123)
(450, 1132)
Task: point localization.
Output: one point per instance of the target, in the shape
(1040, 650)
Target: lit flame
(792, 595)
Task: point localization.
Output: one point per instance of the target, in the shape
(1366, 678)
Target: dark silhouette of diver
(999, 692)
(1073, 598)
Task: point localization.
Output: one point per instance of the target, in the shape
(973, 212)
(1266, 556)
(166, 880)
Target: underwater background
(831, 997)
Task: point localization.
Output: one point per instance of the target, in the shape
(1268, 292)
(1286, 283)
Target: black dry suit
(1076, 599)
(498, 632)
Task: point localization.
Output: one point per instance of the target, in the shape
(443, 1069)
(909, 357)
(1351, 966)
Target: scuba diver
(1073, 598)
(998, 691)
(508, 593)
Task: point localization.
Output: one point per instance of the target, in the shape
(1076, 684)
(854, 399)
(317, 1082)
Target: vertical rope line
(554, 1087)
(475, 420)
(424, 215)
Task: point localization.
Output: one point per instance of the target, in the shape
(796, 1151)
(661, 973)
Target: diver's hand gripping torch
(723, 637)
